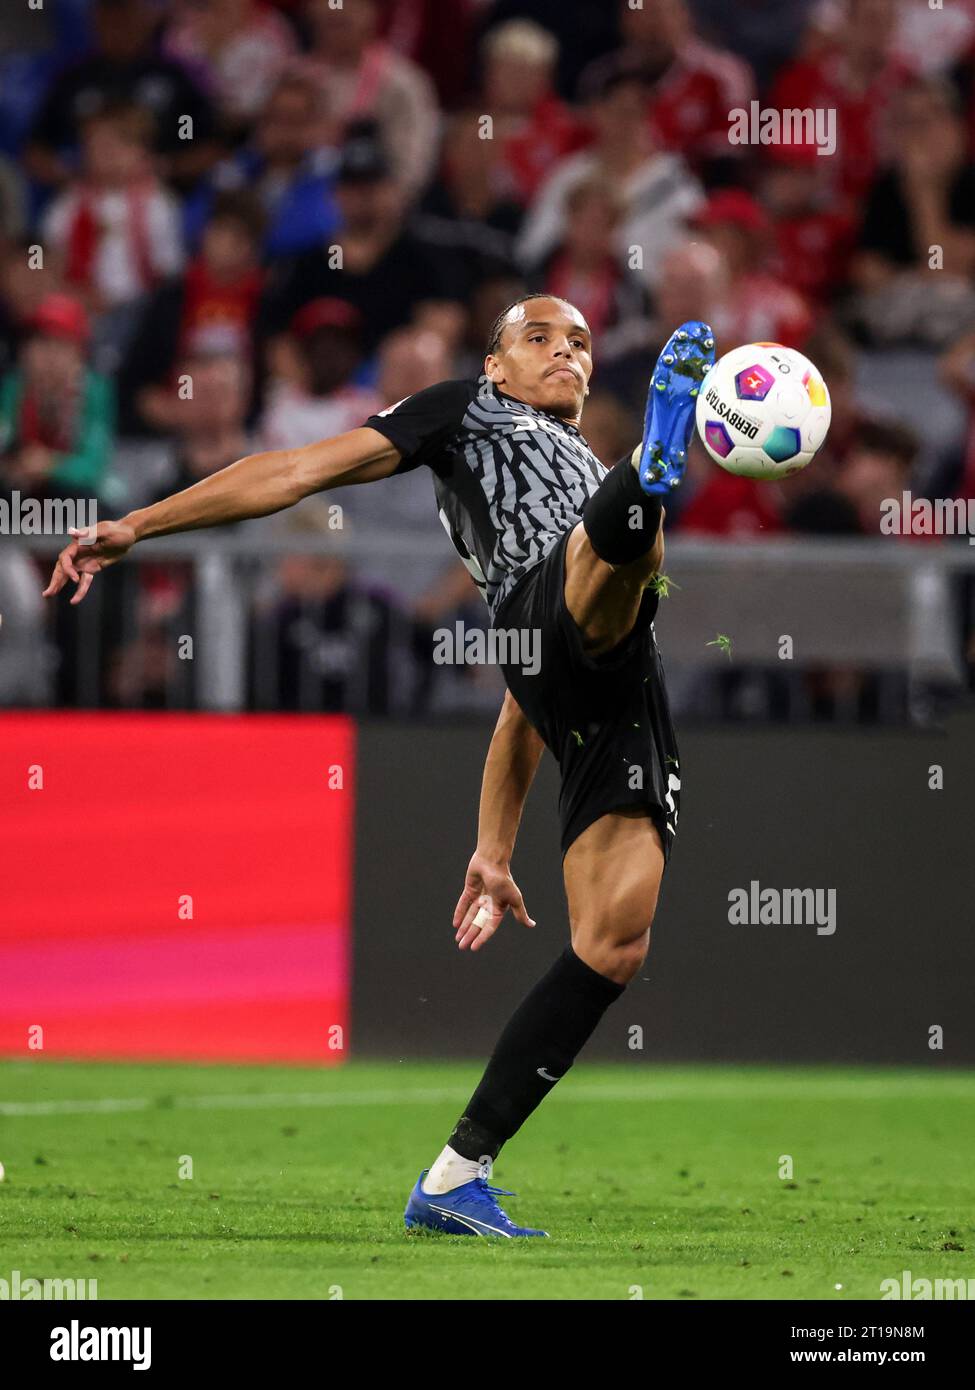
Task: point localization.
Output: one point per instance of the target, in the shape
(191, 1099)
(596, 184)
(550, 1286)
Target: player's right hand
(489, 892)
(80, 561)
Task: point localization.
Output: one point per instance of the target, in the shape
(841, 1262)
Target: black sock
(620, 519)
(545, 1034)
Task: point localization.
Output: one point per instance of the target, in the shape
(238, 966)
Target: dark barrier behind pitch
(848, 811)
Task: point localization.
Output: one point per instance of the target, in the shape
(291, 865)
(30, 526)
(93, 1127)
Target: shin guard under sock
(620, 519)
(539, 1044)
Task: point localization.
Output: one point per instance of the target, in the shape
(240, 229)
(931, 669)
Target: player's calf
(615, 940)
(610, 948)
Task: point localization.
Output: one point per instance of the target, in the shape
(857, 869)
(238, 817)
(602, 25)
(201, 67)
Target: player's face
(545, 357)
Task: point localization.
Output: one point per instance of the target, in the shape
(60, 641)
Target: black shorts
(605, 718)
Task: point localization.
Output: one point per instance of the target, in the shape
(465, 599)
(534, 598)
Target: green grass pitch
(662, 1180)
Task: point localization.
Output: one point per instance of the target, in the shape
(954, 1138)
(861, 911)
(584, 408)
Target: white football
(763, 411)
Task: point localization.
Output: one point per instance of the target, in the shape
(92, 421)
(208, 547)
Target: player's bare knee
(615, 957)
(616, 940)
(631, 955)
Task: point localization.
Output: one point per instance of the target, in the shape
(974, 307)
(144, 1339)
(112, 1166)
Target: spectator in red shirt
(857, 75)
(115, 227)
(533, 126)
(813, 237)
(756, 306)
(212, 307)
(695, 85)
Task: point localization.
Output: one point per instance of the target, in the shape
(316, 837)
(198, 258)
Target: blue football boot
(671, 402)
(469, 1210)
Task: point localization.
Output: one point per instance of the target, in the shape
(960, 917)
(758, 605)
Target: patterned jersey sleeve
(420, 424)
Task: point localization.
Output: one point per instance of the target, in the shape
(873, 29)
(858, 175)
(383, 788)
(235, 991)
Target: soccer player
(563, 548)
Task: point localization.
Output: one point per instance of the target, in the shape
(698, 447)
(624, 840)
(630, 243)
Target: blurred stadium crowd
(189, 169)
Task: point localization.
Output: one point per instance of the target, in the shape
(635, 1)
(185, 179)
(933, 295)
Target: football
(763, 411)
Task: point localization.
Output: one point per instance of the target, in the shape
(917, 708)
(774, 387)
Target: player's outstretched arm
(509, 770)
(253, 486)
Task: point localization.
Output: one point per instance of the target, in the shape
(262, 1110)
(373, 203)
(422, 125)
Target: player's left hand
(489, 892)
(85, 557)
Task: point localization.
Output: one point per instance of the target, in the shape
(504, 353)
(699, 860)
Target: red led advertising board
(176, 886)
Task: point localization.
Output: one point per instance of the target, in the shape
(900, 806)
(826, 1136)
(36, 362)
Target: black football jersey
(509, 479)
